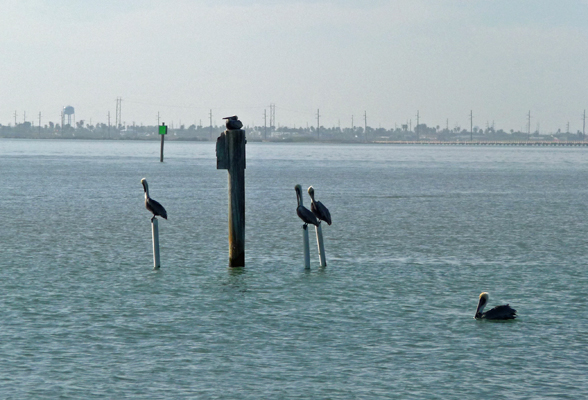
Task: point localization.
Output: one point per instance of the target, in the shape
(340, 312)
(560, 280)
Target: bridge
(530, 143)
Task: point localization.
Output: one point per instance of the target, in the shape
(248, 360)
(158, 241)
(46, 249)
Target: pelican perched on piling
(322, 213)
(152, 205)
(499, 312)
(233, 122)
(304, 213)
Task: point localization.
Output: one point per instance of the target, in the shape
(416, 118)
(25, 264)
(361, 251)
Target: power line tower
(264, 124)
(471, 126)
(118, 118)
(529, 125)
(365, 137)
(272, 116)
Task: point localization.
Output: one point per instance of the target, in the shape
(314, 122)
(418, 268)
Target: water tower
(69, 111)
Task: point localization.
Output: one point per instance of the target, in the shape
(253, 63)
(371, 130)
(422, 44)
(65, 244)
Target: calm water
(418, 233)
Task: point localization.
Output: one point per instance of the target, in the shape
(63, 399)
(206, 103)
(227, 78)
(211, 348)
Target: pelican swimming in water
(322, 213)
(499, 312)
(304, 213)
(152, 205)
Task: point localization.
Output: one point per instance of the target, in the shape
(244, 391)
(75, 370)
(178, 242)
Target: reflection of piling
(321, 245)
(230, 152)
(155, 231)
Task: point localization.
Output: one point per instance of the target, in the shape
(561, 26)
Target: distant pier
(529, 143)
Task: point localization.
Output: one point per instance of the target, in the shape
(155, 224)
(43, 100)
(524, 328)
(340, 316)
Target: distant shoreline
(505, 143)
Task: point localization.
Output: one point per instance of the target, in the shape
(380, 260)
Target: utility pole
(24, 117)
(568, 128)
(39, 123)
(15, 114)
(318, 124)
(471, 126)
(157, 118)
(108, 124)
(416, 129)
(264, 124)
(352, 126)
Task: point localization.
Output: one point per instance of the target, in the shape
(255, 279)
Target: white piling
(306, 247)
(305, 241)
(321, 246)
(155, 231)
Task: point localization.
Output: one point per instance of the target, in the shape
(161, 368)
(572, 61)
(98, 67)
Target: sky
(387, 60)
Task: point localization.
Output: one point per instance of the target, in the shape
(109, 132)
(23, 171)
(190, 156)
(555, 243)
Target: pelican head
(483, 300)
(298, 189)
(311, 191)
(145, 186)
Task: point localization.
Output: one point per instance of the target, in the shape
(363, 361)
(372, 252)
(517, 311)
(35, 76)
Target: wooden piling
(162, 133)
(230, 149)
(155, 234)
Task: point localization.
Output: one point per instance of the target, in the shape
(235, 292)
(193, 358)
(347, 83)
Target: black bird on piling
(304, 213)
(233, 123)
(499, 312)
(152, 205)
(318, 208)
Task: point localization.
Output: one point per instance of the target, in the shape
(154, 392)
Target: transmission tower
(118, 118)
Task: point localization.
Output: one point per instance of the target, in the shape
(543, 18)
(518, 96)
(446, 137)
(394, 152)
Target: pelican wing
(321, 211)
(306, 216)
(155, 207)
(500, 312)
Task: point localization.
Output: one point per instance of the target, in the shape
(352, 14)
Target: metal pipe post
(155, 234)
(321, 246)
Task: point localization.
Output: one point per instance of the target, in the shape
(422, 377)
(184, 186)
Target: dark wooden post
(162, 133)
(230, 153)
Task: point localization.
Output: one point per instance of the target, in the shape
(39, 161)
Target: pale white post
(155, 231)
(305, 241)
(321, 246)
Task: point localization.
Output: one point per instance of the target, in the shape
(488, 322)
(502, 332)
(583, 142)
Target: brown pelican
(233, 123)
(499, 312)
(318, 208)
(152, 205)
(304, 213)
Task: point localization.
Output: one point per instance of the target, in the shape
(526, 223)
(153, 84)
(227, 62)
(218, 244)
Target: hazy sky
(499, 58)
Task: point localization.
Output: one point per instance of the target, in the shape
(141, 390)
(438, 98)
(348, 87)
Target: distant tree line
(422, 132)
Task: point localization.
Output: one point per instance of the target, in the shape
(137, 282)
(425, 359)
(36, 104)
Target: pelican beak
(481, 304)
